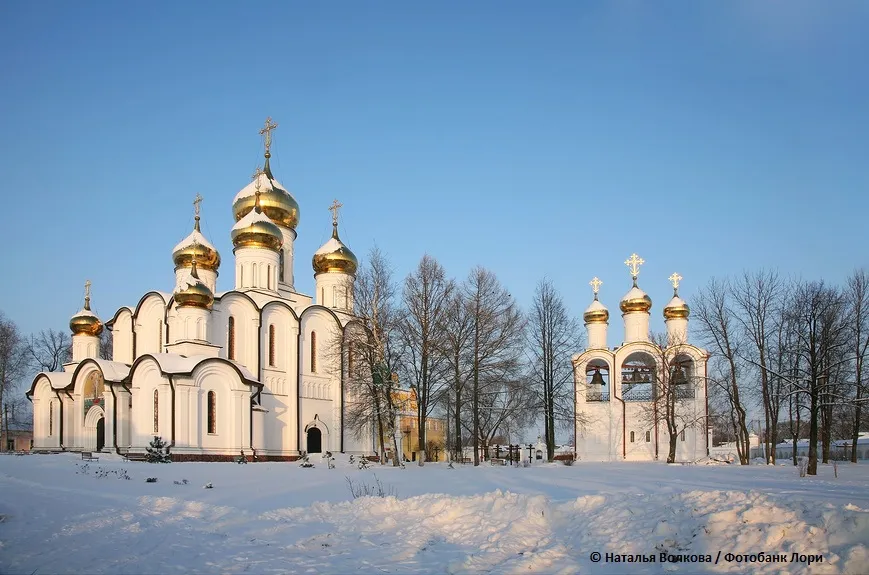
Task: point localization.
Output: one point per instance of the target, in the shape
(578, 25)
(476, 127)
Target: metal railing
(597, 396)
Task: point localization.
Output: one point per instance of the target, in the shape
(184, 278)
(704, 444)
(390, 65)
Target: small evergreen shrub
(157, 451)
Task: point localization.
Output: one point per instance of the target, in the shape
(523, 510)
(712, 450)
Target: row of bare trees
(795, 349)
(465, 350)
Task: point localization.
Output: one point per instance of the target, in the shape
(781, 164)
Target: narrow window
(648, 436)
(253, 273)
(313, 352)
(212, 412)
(159, 335)
(334, 297)
(346, 297)
(272, 345)
(230, 338)
(683, 435)
(269, 277)
(322, 296)
(50, 418)
(156, 411)
(632, 437)
(241, 275)
(350, 359)
(281, 266)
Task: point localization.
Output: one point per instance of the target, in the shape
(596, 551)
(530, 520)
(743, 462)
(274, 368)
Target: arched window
(272, 345)
(156, 411)
(230, 338)
(281, 266)
(682, 436)
(648, 436)
(632, 437)
(50, 418)
(313, 352)
(212, 412)
(346, 297)
(269, 277)
(322, 296)
(350, 358)
(241, 275)
(253, 273)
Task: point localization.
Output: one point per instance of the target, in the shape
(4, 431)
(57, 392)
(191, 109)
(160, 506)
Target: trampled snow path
(278, 518)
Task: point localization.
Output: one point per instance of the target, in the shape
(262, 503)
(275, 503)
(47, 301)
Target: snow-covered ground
(56, 517)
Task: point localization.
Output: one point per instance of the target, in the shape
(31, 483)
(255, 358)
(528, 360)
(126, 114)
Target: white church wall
(122, 337)
(145, 380)
(232, 433)
(149, 325)
(246, 320)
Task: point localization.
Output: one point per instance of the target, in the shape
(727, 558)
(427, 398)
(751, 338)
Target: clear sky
(537, 139)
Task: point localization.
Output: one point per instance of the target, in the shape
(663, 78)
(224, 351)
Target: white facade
(622, 393)
(258, 369)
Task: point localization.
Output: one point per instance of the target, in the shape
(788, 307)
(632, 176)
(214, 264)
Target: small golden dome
(275, 201)
(636, 300)
(195, 246)
(334, 257)
(677, 308)
(596, 312)
(85, 322)
(194, 293)
(256, 230)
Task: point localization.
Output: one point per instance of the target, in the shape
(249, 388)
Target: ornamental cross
(336, 205)
(255, 177)
(266, 132)
(87, 289)
(196, 201)
(634, 262)
(675, 279)
(595, 284)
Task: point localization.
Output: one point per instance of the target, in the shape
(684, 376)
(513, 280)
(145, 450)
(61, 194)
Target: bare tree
(375, 351)
(49, 350)
(426, 296)
(820, 329)
(858, 312)
(13, 361)
(458, 329)
(495, 342)
(106, 345)
(755, 296)
(713, 312)
(553, 336)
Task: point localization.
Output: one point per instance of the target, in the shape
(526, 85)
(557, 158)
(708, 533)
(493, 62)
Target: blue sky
(537, 139)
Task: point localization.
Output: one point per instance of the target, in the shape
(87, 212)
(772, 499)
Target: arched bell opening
(682, 376)
(597, 379)
(638, 377)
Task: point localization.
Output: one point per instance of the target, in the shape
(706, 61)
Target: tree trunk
(813, 430)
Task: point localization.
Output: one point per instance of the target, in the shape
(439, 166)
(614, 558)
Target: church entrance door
(315, 440)
(101, 433)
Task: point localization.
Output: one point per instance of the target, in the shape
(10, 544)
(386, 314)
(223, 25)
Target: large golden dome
(256, 230)
(85, 322)
(196, 247)
(636, 300)
(676, 309)
(334, 257)
(276, 202)
(193, 292)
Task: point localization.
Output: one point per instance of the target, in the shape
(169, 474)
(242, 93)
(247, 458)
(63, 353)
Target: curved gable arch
(149, 295)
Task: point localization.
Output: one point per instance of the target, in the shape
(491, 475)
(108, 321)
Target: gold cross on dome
(255, 177)
(675, 279)
(634, 262)
(196, 201)
(595, 284)
(266, 133)
(336, 205)
(87, 289)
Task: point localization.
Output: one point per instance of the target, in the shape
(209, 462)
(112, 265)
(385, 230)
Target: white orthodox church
(258, 368)
(624, 394)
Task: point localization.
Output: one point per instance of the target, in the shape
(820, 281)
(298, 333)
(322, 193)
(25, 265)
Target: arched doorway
(315, 440)
(101, 433)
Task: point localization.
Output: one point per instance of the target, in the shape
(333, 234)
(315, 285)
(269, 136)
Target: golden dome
(195, 293)
(275, 201)
(85, 322)
(677, 308)
(334, 257)
(256, 230)
(636, 300)
(596, 312)
(195, 246)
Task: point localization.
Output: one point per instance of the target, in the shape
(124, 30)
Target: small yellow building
(407, 426)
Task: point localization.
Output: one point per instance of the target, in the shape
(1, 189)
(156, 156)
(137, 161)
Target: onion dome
(196, 247)
(277, 203)
(193, 292)
(85, 322)
(334, 256)
(256, 230)
(677, 308)
(596, 312)
(636, 300)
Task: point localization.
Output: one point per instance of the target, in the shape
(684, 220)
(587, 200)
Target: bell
(679, 377)
(597, 378)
